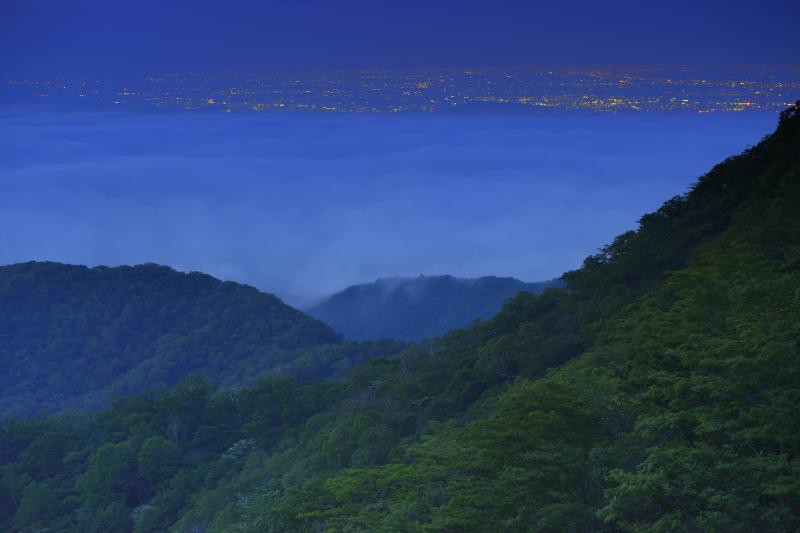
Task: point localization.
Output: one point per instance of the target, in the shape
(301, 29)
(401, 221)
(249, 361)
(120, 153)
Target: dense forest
(411, 309)
(74, 337)
(657, 391)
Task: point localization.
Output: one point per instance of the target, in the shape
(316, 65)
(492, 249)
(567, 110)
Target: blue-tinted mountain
(415, 308)
(73, 337)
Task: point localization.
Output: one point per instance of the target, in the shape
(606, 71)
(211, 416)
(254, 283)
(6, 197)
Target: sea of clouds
(303, 205)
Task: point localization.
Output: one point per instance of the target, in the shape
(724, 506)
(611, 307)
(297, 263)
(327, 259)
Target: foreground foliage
(657, 392)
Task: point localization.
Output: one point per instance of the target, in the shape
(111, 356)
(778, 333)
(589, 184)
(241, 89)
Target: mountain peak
(409, 308)
(116, 331)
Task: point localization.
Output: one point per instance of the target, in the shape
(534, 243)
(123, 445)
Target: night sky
(101, 37)
(302, 204)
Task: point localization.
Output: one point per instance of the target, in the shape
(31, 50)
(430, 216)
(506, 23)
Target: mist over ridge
(411, 309)
(304, 206)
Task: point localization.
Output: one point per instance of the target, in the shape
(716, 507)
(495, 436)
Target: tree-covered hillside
(73, 337)
(411, 309)
(657, 392)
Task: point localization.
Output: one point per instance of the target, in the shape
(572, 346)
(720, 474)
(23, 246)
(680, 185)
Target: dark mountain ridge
(414, 308)
(73, 336)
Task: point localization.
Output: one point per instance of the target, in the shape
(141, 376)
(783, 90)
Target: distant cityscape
(598, 90)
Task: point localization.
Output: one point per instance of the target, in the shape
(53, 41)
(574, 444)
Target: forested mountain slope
(411, 309)
(657, 392)
(72, 336)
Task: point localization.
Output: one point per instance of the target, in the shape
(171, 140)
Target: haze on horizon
(305, 205)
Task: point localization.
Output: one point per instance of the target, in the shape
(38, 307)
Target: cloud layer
(304, 205)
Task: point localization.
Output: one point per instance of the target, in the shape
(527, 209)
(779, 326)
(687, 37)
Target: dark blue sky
(304, 205)
(103, 37)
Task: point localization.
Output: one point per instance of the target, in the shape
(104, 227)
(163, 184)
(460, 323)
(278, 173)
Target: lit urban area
(601, 90)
